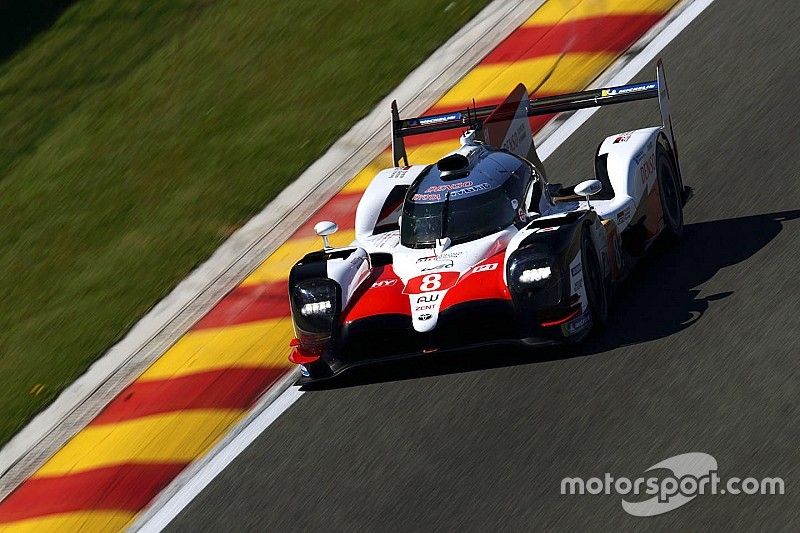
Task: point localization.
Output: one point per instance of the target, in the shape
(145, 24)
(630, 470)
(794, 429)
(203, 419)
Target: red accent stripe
(127, 487)
(562, 320)
(383, 296)
(248, 303)
(481, 285)
(609, 33)
(227, 388)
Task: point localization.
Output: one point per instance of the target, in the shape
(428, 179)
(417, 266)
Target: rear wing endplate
(474, 118)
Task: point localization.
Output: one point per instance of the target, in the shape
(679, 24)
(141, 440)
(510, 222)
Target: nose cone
(424, 322)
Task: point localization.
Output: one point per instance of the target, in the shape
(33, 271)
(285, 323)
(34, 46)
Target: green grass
(135, 136)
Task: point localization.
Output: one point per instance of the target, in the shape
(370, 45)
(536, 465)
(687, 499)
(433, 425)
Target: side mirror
(588, 188)
(323, 229)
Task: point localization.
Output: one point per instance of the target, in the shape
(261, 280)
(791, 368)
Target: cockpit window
(390, 211)
(461, 219)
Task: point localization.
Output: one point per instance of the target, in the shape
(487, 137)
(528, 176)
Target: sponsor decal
(426, 197)
(449, 186)
(613, 247)
(551, 228)
(448, 264)
(515, 138)
(485, 268)
(383, 283)
(648, 168)
(446, 255)
(425, 307)
(398, 172)
(304, 371)
(625, 137)
(514, 203)
(427, 298)
(577, 324)
(437, 281)
(436, 119)
(424, 316)
(624, 215)
(469, 190)
(576, 279)
(629, 89)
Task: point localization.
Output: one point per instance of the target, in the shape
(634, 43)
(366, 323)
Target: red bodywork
(388, 295)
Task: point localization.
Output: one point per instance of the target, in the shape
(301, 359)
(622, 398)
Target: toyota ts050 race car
(480, 247)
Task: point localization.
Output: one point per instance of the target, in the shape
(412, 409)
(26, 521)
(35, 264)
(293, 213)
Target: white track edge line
(631, 69)
(162, 516)
(204, 476)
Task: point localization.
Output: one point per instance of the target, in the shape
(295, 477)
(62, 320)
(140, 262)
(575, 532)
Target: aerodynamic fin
(663, 104)
(476, 118)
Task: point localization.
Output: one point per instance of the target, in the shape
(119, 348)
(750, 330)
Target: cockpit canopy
(464, 199)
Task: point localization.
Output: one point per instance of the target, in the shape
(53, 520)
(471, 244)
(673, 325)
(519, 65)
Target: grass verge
(135, 136)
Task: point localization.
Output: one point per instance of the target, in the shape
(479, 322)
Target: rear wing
(475, 118)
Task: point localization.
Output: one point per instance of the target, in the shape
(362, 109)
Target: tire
(670, 193)
(320, 370)
(594, 282)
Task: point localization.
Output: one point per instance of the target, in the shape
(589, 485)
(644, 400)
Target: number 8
(431, 282)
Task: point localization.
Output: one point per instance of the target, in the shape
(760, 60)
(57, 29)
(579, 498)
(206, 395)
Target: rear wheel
(671, 198)
(594, 280)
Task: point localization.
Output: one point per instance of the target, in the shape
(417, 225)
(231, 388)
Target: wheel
(315, 371)
(671, 198)
(594, 280)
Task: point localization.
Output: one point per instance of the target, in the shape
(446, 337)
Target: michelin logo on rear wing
(629, 89)
(436, 119)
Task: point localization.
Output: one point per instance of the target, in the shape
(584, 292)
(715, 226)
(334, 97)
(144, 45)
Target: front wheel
(594, 280)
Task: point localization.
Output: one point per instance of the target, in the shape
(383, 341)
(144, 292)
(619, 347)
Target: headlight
(315, 308)
(534, 279)
(315, 304)
(532, 275)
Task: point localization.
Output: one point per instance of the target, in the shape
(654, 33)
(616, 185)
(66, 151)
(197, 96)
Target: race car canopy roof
(463, 177)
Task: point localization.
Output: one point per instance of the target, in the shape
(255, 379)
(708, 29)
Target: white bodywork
(632, 173)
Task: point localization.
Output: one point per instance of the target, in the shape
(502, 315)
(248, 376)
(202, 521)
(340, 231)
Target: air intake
(453, 166)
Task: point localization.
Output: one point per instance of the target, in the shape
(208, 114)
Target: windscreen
(461, 219)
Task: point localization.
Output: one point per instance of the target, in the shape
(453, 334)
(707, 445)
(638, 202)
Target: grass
(135, 136)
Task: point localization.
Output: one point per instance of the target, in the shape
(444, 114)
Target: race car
(480, 248)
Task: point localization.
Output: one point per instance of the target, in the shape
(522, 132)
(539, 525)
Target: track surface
(701, 353)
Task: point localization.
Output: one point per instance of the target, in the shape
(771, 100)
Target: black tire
(318, 370)
(671, 194)
(594, 281)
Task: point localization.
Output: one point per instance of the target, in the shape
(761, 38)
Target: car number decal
(437, 281)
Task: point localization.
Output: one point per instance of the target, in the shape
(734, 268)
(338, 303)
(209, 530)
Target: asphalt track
(701, 353)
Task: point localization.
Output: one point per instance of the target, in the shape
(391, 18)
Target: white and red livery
(480, 247)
